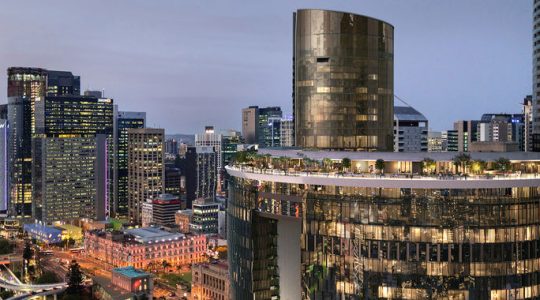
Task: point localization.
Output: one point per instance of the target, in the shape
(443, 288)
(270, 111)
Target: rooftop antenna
(396, 96)
(103, 93)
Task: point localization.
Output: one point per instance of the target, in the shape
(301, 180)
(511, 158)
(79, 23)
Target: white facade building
(212, 139)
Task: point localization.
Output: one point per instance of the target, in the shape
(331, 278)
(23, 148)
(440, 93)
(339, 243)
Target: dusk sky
(194, 63)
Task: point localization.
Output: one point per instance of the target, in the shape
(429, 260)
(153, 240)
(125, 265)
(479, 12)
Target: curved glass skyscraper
(298, 229)
(343, 81)
(370, 224)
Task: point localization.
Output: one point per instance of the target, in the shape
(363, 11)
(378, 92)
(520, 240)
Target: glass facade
(343, 85)
(173, 181)
(230, 143)
(63, 83)
(124, 121)
(146, 169)
(61, 120)
(207, 172)
(25, 87)
(68, 184)
(29, 83)
(204, 219)
(252, 242)
(536, 77)
(356, 242)
(269, 127)
(4, 164)
(64, 116)
(20, 157)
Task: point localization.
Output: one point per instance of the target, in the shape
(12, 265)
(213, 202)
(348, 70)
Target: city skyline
(388, 150)
(246, 54)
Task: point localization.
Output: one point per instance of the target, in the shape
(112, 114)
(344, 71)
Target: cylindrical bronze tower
(343, 81)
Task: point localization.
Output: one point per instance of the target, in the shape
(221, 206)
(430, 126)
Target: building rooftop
(217, 264)
(188, 212)
(407, 113)
(130, 272)
(131, 114)
(203, 201)
(114, 291)
(166, 197)
(348, 13)
(152, 235)
(53, 73)
(43, 228)
(486, 118)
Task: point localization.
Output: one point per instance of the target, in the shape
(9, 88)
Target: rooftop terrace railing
(393, 176)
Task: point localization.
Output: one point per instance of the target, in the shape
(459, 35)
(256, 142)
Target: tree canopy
(27, 252)
(74, 279)
(5, 246)
(47, 277)
(502, 164)
(379, 165)
(346, 162)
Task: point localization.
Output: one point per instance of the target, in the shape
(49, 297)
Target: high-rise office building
(211, 139)
(261, 125)
(62, 124)
(171, 147)
(410, 130)
(207, 173)
(229, 146)
(527, 111)
(4, 111)
(287, 132)
(20, 157)
(536, 77)
(62, 116)
(502, 128)
(123, 121)
(63, 83)
(70, 178)
(4, 165)
(160, 210)
(25, 87)
(204, 219)
(436, 142)
(467, 132)
(146, 168)
(200, 170)
(182, 148)
(450, 139)
(29, 83)
(269, 127)
(250, 124)
(343, 87)
(173, 181)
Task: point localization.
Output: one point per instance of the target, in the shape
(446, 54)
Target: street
(59, 261)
